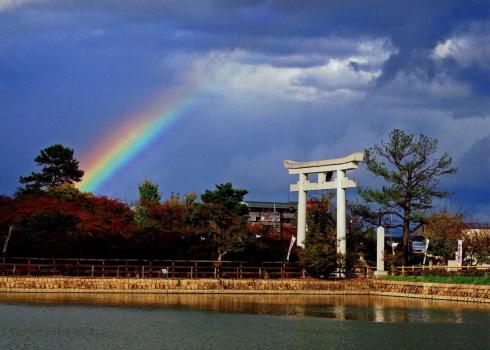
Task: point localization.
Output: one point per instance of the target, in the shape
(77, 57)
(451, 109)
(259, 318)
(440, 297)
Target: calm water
(40, 321)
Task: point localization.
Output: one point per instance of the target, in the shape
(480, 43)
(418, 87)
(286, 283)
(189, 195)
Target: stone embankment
(458, 292)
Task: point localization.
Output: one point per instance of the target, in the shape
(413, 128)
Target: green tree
(149, 192)
(148, 195)
(68, 192)
(476, 245)
(221, 219)
(229, 198)
(411, 172)
(58, 167)
(227, 232)
(320, 254)
(443, 229)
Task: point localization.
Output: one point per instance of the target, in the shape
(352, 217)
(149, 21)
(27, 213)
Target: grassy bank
(442, 279)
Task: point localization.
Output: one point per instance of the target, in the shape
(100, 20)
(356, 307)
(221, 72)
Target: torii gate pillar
(325, 170)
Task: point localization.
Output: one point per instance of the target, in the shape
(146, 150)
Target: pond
(118, 321)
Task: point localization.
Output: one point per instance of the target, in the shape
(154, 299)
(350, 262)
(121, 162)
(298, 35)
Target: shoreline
(367, 287)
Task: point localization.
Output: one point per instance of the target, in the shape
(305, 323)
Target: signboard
(419, 247)
(459, 253)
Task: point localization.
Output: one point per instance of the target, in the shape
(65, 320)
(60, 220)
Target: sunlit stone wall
(460, 292)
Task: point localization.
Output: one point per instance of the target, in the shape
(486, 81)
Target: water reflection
(366, 308)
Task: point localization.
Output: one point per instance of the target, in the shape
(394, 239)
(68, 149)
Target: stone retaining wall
(460, 292)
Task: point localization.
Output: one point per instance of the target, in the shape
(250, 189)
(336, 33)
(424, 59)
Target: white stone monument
(325, 170)
(380, 252)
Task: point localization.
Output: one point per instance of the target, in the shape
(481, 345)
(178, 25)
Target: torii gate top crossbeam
(348, 162)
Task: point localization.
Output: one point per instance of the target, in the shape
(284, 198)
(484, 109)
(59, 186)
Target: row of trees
(61, 221)
(52, 218)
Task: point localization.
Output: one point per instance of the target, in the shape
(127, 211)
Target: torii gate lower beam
(325, 170)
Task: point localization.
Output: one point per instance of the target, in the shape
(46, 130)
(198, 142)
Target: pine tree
(58, 167)
(148, 195)
(411, 173)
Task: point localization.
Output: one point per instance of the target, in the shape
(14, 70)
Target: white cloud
(456, 136)
(336, 79)
(417, 90)
(6, 5)
(333, 80)
(439, 86)
(337, 74)
(469, 48)
(308, 52)
(377, 51)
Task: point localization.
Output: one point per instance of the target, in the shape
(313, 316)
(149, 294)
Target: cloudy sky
(274, 80)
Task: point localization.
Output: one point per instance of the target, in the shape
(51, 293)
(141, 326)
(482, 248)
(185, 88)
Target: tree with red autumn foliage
(53, 225)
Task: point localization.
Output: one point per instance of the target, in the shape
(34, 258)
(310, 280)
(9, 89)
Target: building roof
(271, 205)
(476, 225)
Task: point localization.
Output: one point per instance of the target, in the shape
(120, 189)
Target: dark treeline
(49, 217)
(64, 222)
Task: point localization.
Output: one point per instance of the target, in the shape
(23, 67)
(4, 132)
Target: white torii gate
(325, 170)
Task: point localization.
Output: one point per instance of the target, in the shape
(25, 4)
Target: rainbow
(133, 137)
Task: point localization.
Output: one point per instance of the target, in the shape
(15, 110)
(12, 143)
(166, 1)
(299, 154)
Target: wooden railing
(148, 268)
(411, 270)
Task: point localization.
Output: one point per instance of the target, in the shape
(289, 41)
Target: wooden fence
(413, 270)
(148, 268)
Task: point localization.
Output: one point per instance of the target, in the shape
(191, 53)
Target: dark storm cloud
(476, 158)
(411, 24)
(349, 71)
(274, 27)
(470, 185)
